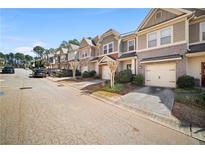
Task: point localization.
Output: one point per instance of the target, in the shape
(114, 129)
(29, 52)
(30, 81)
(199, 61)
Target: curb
(182, 127)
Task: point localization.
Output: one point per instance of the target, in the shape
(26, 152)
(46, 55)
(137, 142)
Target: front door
(203, 73)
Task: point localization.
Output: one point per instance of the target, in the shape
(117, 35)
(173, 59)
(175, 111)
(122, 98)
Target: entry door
(105, 73)
(203, 73)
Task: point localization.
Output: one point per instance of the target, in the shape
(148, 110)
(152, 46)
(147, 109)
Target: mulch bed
(128, 87)
(192, 114)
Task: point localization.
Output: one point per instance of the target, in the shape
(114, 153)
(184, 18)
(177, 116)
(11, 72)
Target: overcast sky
(22, 29)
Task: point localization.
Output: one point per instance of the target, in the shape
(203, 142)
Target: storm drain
(22, 88)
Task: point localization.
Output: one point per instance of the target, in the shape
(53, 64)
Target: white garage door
(84, 68)
(160, 75)
(105, 73)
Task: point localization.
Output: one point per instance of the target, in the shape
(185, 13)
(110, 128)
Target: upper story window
(160, 37)
(105, 49)
(165, 36)
(152, 40)
(202, 31)
(131, 45)
(110, 46)
(84, 54)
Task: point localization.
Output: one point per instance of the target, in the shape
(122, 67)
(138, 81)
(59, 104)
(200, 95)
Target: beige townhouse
(61, 57)
(87, 50)
(163, 49)
(110, 46)
(73, 53)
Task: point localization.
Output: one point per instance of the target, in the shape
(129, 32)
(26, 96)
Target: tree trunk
(111, 85)
(74, 70)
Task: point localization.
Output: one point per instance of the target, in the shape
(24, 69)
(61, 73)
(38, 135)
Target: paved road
(52, 114)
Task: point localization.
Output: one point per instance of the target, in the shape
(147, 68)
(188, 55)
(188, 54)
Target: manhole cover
(22, 88)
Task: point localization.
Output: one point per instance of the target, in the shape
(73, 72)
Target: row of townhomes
(167, 44)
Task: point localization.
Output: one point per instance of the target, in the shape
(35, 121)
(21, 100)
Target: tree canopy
(39, 50)
(74, 41)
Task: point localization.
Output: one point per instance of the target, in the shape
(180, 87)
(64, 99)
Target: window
(86, 54)
(165, 36)
(110, 47)
(202, 31)
(131, 45)
(158, 15)
(152, 40)
(105, 49)
(128, 66)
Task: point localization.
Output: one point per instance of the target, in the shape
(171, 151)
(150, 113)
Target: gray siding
(165, 16)
(179, 32)
(194, 33)
(107, 40)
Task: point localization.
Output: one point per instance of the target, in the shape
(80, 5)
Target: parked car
(39, 72)
(8, 70)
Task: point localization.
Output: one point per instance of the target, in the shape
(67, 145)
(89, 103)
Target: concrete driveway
(152, 99)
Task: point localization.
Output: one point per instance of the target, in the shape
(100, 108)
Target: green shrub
(115, 89)
(85, 74)
(185, 81)
(138, 80)
(123, 76)
(92, 73)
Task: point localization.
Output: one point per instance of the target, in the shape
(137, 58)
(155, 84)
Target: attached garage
(160, 75)
(105, 72)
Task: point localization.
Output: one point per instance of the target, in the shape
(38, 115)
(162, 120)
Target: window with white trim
(202, 31)
(152, 40)
(110, 47)
(131, 45)
(165, 36)
(105, 49)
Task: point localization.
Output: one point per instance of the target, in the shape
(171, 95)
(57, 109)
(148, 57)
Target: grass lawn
(192, 97)
(116, 89)
(190, 90)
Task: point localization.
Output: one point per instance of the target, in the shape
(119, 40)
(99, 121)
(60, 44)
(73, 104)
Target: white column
(133, 66)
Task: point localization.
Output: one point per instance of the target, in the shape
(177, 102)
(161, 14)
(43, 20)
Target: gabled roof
(88, 41)
(62, 51)
(73, 46)
(176, 11)
(128, 34)
(108, 32)
(197, 11)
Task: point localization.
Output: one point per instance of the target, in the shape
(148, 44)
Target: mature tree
(39, 51)
(63, 44)
(19, 56)
(74, 41)
(74, 65)
(113, 67)
(51, 50)
(1, 55)
(28, 58)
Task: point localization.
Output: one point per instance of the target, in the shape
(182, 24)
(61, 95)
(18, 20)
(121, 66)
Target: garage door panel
(162, 75)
